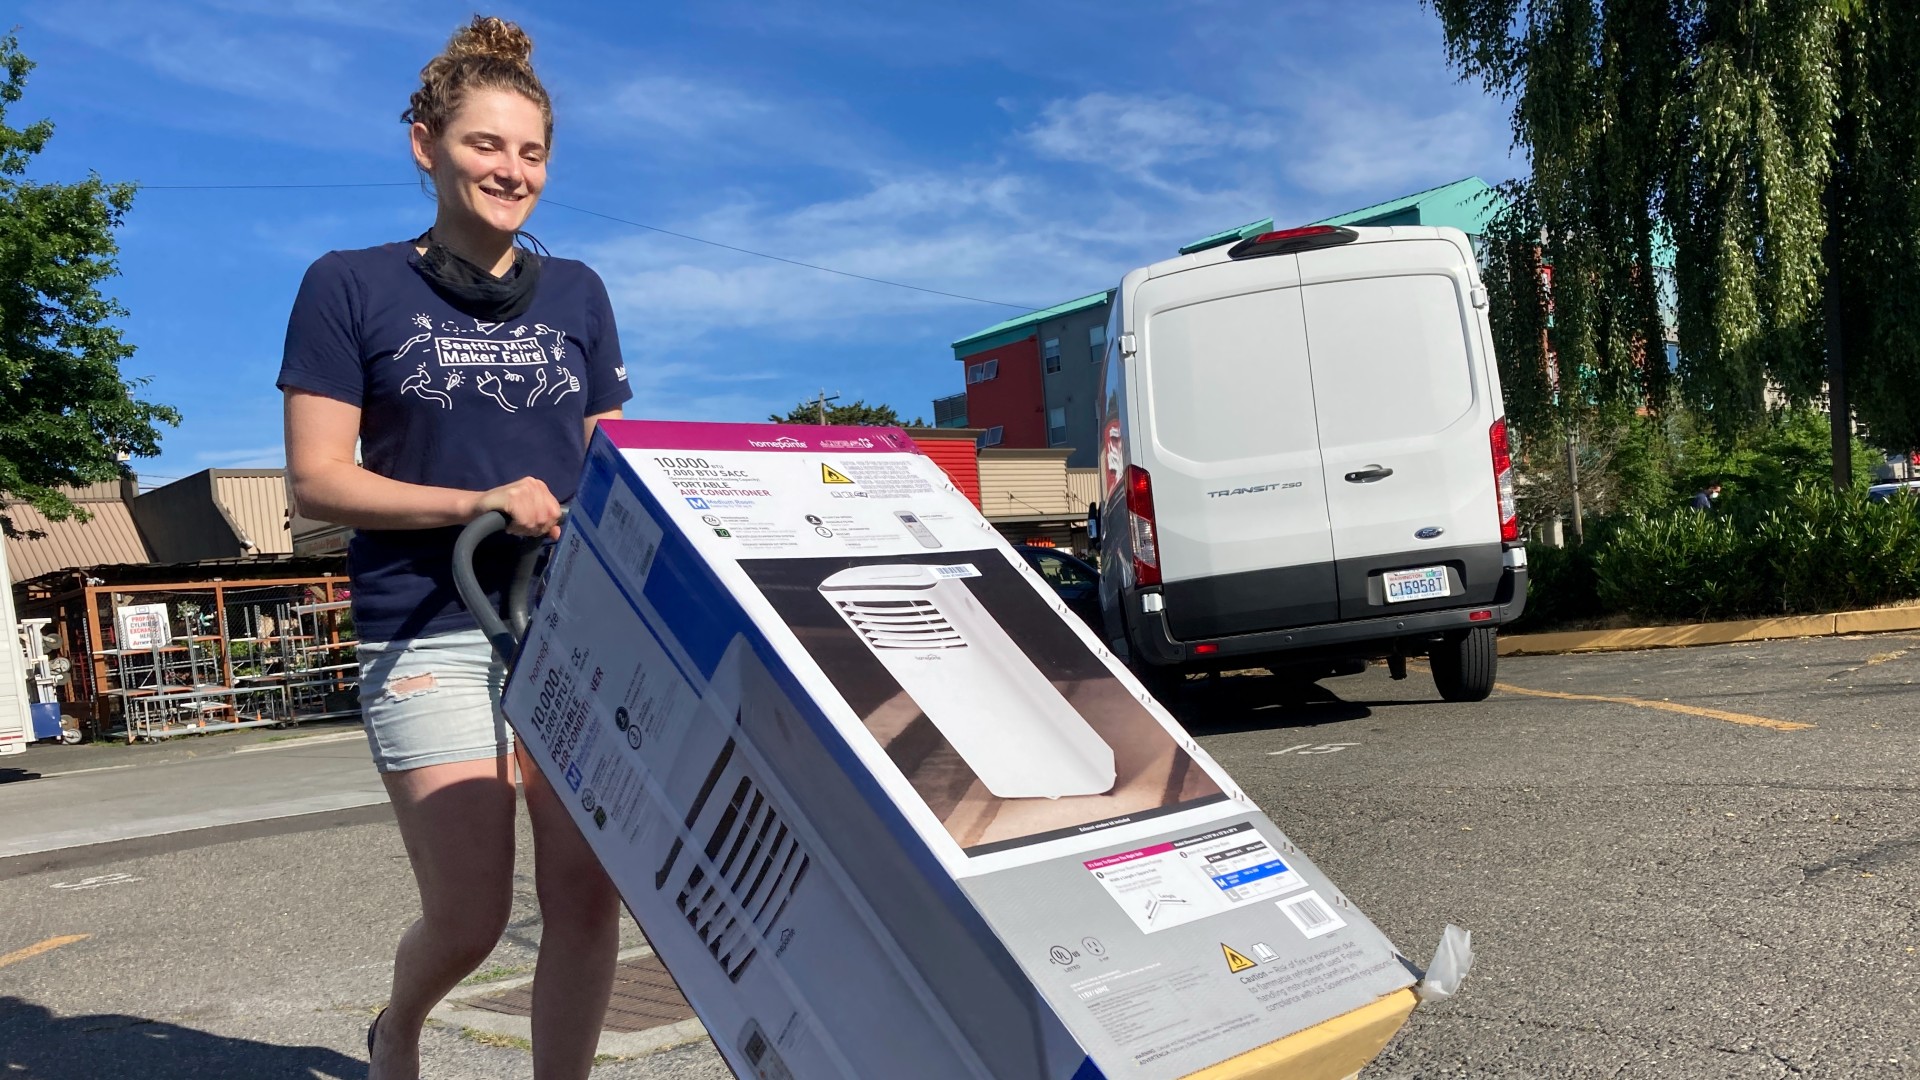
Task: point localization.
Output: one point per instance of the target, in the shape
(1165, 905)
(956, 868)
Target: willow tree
(1685, 156)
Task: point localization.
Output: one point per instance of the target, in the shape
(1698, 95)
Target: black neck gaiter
(469, 287)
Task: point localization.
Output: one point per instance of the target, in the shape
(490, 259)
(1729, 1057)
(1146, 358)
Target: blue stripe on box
(1251, 873)
(702, 623)
(1089, 1071)
(597, 484)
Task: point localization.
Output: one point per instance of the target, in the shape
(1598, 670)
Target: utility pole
(824, 398)
(1839, 409)
(1573, 482)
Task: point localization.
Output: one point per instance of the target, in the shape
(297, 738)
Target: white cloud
(1351, 145)
(243, 60)
(699, 121)
(1129, 132)
(687, 107)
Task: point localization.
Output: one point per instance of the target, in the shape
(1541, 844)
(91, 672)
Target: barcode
(1311, 914)
(957, 570)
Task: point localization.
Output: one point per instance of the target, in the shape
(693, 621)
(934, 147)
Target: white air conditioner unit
(999, 713)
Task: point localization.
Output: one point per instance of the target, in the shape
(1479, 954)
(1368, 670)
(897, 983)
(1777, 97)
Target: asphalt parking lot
(1681, 883)
(1683, 864)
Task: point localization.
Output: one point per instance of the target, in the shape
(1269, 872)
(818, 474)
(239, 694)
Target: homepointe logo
(846, 444)
(784, 442)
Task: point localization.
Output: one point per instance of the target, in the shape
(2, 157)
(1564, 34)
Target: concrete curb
(1719, 633)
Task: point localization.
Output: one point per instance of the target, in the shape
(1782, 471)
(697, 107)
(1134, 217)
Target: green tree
(1875, 211)
(857, 414)
(1722, 139)
(67, 415)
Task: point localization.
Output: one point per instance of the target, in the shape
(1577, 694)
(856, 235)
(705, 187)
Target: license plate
(1422, 584)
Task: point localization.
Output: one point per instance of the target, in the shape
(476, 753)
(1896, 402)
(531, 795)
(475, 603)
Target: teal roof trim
(1465, 204)
(1252, 228)
(1014, 329)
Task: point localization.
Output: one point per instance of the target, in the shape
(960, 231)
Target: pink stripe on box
(1127, 856)
(682, 435)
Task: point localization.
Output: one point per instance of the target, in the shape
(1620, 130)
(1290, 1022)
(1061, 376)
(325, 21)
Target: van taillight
(1146, 547)
(1287, 240)
(1503, 481)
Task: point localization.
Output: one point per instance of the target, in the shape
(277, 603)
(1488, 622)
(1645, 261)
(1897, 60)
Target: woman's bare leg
(457, 822)
(579, 936)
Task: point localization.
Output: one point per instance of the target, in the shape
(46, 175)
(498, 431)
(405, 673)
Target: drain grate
(644, 997)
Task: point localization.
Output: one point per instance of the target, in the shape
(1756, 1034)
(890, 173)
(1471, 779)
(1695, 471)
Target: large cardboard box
(886, 810)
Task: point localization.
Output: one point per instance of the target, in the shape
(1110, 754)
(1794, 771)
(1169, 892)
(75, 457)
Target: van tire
(1464, 663)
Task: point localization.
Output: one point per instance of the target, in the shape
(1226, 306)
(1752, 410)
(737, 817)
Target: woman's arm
(612, 414)
(328, 486)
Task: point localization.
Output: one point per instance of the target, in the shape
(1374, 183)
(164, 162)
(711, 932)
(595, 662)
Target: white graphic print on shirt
(523, 366)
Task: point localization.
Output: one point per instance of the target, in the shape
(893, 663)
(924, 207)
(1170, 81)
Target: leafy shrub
(1681, 565)
(1826, 550)
(1818, 550)
(1561, 586)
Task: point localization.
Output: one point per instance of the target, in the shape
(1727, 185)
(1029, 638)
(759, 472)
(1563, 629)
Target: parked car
(1883, 492)
(1306, 458)
(1075, 582)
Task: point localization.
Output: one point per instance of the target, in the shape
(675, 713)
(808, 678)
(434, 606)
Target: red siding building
(1004, 392)
(953, 450)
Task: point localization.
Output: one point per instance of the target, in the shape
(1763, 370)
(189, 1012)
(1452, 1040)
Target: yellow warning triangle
(831, 475)
(1235, 962)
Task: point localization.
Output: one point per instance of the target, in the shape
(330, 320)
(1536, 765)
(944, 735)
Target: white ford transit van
(1305, 460)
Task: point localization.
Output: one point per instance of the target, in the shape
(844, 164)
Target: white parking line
(303, 740)
(77, 772)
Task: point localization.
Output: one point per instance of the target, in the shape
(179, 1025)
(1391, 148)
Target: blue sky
(1026, 153)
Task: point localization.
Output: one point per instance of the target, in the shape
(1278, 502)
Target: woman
(471, 370)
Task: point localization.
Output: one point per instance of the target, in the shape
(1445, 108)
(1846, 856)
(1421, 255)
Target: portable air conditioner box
(886, 810)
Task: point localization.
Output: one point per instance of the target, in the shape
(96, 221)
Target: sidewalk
(58, 797)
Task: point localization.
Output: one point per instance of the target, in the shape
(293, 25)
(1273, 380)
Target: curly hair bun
(487, 53)
(492, 38)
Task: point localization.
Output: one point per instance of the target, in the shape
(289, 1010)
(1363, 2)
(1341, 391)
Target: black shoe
(371, 1029)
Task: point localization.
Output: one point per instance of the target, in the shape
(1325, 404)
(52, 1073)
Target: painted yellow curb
(1867, 622)
(1338, 1048)
(1716, 633)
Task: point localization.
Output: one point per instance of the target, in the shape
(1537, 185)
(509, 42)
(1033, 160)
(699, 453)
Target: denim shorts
(432, 700)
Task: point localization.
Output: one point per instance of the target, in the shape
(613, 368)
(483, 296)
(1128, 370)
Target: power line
(263, 187)
(621, 220)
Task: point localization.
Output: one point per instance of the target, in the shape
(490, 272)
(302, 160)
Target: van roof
(1363, 235)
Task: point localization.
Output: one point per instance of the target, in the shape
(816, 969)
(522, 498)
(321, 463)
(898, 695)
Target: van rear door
(1229, 442)
(1405, 408)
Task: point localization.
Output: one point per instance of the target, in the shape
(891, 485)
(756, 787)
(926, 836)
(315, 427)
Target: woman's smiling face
(490, 164)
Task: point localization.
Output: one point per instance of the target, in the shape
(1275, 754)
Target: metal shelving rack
(303, 669)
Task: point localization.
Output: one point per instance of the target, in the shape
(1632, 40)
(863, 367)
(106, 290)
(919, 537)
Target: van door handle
(1368, 475)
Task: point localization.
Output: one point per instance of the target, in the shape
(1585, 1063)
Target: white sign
(143, 626)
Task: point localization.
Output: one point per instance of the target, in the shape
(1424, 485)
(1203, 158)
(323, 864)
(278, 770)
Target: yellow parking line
(48, 945)
(1664, 706)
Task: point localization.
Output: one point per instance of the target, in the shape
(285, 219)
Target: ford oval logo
(1429, 532)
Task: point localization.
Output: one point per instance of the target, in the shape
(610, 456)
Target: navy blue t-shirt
(449, 401)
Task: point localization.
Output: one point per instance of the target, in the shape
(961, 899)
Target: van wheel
(1464, 664)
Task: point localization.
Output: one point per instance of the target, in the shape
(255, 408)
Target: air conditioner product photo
(998, 712)
(885, 807)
